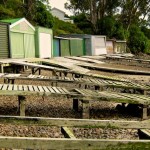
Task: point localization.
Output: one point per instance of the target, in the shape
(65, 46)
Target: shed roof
(16, 21)
(11, 21)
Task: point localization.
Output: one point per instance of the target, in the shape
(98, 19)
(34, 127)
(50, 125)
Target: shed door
(17, 47)
(64, 46)
(45, 45)
(4, 41)
(76, 47)
(99, 46)
(29, 46)
(56, 48)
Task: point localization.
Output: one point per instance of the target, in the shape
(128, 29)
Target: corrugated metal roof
(10, 20)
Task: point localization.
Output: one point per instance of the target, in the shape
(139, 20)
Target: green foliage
(146, 31)
(11, 9)
(43, 16)
(82, 23)
(112, 28)
(137, 41)
(61, 27)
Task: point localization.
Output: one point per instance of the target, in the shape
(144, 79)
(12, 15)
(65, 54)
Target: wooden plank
(15, 87)
(71, 122)
(57, 143)
(51, 90)
(30, 87)
(10, 87)
(35, 88)
(56, 90)
(65, 90)
(67, 133)
(5, 87)
(46, 89)
(144, 133)
(25, 87)
(1, 86)
(40, 89)
(61, 90)
(20, 87)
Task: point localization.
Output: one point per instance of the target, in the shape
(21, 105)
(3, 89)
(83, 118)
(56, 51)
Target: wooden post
(32, 70)
(85, 109)
(65, 74)
(54, 73)
(5, 80)
(39, 71)
(21, 100)
(97, 87)
(2, 68)
(75, 104)
(86, 86)
(144, 112)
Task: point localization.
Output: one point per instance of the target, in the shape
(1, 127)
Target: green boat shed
(22, 38)
(44, 42)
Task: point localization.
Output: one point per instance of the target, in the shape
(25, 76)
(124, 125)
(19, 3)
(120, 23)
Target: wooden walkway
(70, 141)
(98, 83)
(83, 95)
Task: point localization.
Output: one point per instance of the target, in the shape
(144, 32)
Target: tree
(11, 9)
(83, 24)
(137, 41)
(93, 9)
(43, 17)
(134, 12)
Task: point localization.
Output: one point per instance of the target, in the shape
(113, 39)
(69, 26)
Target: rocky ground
(60, 107)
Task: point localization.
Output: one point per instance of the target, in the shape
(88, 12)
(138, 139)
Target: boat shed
(110, 46)
(44, 42)
(22, 40)
(93, 44)
(4, 40)
(120, 46)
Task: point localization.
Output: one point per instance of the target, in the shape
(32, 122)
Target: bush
(137, 41)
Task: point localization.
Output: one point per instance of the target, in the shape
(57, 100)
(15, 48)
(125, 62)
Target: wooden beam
(57, 143)
(67, 133)
(21, 101)
(144, 133)
(75, 104)
(85, 123)
(85, 109)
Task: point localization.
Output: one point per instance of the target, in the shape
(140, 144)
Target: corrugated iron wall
(4, 41)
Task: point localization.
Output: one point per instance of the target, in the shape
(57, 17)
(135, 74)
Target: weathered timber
(21, 100)
(83, 123)
(67, 133)
(57, 143)
(144, 112)
(75, 104)
(88, 95)
(144, 133)
(85, 109)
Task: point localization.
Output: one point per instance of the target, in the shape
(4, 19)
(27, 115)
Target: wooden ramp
(98, 83)
(117, 70)
(85, 96)
(70, 141)
(85, 59)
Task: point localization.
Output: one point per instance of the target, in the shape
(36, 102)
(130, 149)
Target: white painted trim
(21, 20)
